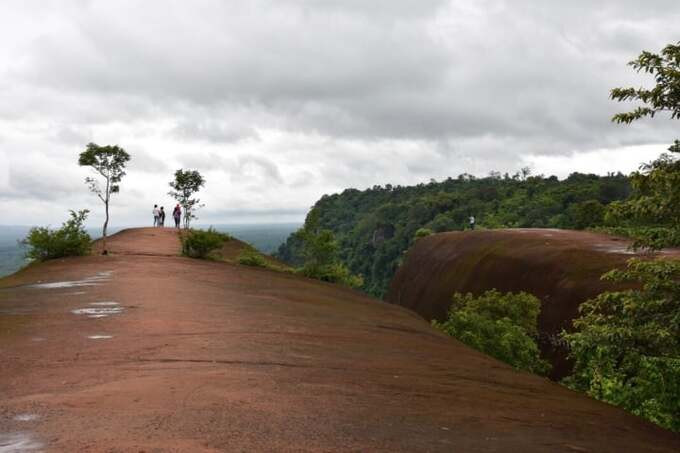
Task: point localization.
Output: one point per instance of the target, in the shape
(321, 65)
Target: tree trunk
(106, 224)
(106, 221)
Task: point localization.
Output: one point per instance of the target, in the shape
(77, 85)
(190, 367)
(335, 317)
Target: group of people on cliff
(159, 216)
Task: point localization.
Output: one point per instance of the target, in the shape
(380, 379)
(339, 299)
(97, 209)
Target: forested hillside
(375, 226)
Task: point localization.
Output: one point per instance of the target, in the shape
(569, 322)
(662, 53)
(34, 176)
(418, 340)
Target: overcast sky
(279, 102)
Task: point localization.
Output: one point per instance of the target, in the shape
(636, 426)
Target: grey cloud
(73, 135)
(362, 70)
(242, 168)
(268, 169)
(146, 162)
(214, 131)
(471, 85)
(34, 178)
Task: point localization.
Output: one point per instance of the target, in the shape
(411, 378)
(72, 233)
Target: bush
(201, 243)
(586, 214)
(250, 257)
(500, 325)
(320, 250)
(69, 240)
(333, 273)
(646, 237)
(422, 232)
(626, 347)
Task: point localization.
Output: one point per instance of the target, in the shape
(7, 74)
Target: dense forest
(374, 227)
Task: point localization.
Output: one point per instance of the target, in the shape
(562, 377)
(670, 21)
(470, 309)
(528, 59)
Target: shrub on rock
(500, 325)
(202, 243)
(69, 240)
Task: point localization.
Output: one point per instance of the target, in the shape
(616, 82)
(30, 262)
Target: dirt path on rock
(155, 352)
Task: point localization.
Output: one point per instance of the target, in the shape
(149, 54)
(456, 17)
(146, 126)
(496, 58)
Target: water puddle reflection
(26, 417)
(18, 442)
(98, 311)
(96, 279)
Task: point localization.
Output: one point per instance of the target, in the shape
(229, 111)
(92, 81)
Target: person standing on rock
(177, 215)
(161, 217)
(472, 222)
(156, 215)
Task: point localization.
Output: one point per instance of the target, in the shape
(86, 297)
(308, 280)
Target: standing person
(472, 222)
(156, 215)
(161, 217)
(177, 215)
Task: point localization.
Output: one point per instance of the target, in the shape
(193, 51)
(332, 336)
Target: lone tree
(185, 185)
(655, 203)
(108, 162)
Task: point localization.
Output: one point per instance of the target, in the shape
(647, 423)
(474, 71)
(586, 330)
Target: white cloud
(279, 102)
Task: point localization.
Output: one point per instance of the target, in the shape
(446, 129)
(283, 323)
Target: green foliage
(652, 214)
(586, 214)
(251, 257)
(651, 237)
(626, 344)
(373, 228)
(320, 251)
(69, 240)
(664, 96)
(184, 186)
(333, 273)
(500, 325)
(202, 243)
(422, 232)
(108, 162)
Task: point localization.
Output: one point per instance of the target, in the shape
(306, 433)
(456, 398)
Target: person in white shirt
(156, 215)
(472, 222)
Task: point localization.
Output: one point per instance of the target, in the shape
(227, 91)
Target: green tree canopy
(320, 251)
(653, 211)
(109, 163)
(184, 186)
(501, 325)
(626, 346)
(664, 96)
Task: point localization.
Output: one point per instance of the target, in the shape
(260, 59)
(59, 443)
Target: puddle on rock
(16, 442)
(89, 281)
(98, 312)
(26, 417)
(100, 337)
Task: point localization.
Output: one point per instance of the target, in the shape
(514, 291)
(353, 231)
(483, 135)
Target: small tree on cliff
(320, 250)
(184, 186)
(654, 208)
(626, 346)
(109, 163)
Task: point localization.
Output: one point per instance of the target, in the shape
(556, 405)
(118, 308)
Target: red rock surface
(561, 267)
(210, 356)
